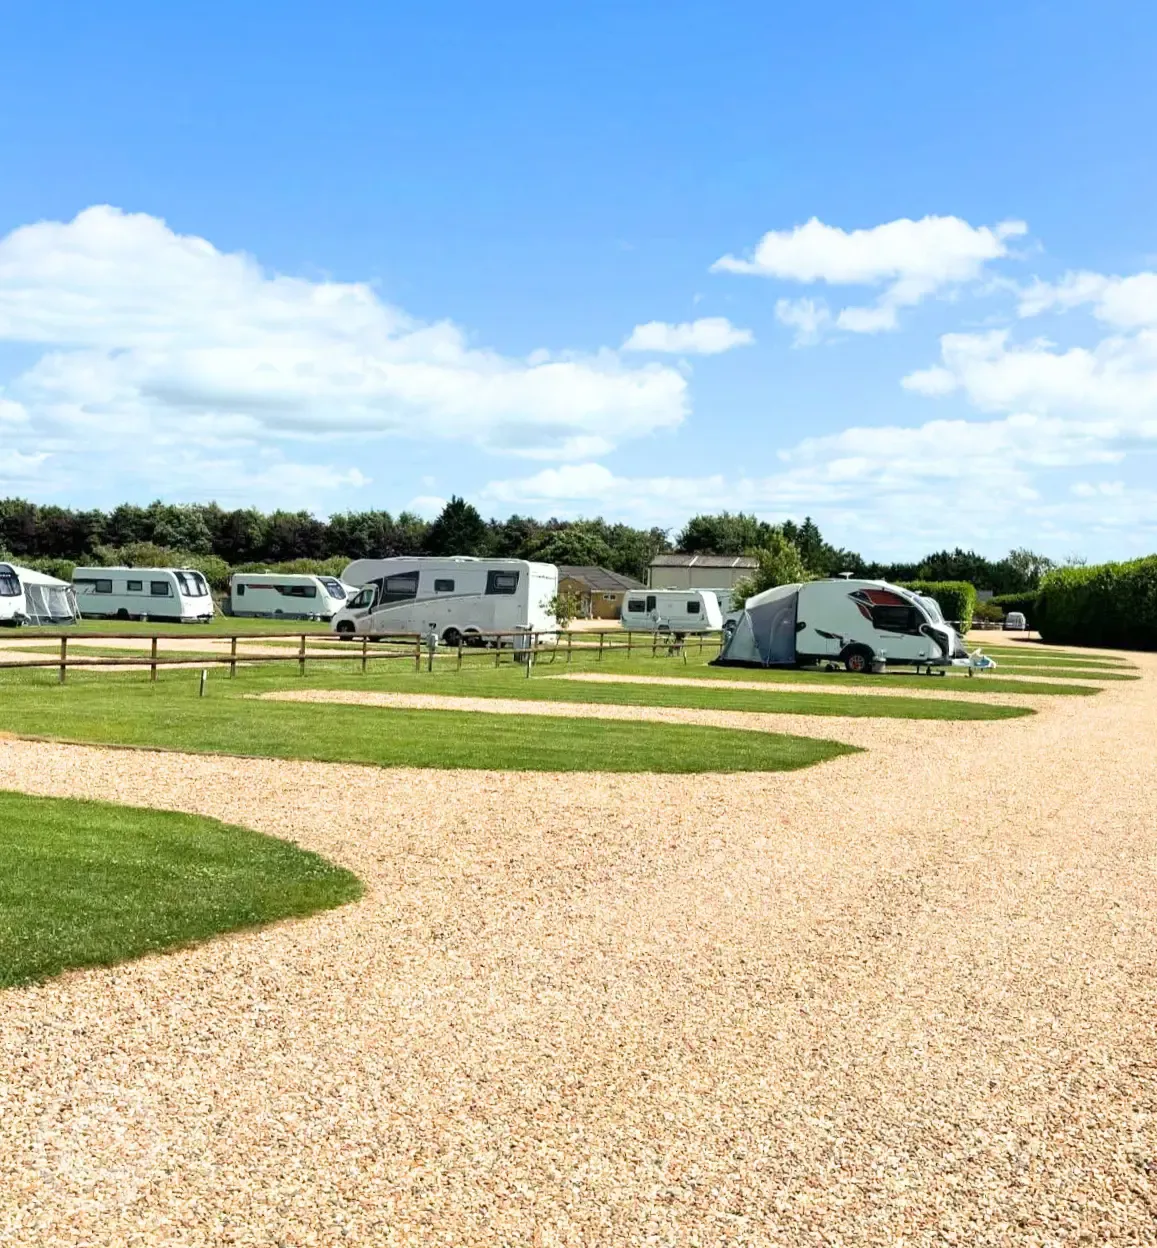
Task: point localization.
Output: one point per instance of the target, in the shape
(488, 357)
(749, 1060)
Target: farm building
(698, 571)
(600, 593)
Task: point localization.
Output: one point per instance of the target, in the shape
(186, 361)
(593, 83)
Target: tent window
(443, 586)
(636, 604)
(160, 589)
(136, 587)
(693, 608)
(501, 582)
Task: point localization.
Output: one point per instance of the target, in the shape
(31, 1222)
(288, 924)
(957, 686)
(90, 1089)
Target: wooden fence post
(418, 653)
(63, 659)
(153, 658)
(232, 656)
(569, 644)
(301, 657)
(497, 649)
(628, 643)
(459, 651)
(365, 652)
(601, 638)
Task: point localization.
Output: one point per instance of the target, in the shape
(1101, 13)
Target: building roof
(600, 579)
(704, 561)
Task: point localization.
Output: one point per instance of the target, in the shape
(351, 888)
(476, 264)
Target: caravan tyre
(452, 637)
(123, 614)
(858, 659)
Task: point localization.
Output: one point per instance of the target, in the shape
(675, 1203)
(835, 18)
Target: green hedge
(956, 598)
(1112, 604)
(1024, 603)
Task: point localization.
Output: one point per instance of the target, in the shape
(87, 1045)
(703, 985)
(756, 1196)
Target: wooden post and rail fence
(529, 647)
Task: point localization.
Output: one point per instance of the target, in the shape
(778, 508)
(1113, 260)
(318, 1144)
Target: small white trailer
(285, 596)
(178, 595)
(671, 611)
(29, 597)
(861, 624)
(459, 599)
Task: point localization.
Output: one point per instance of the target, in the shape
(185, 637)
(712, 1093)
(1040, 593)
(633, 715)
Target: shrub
(1111, 604)
(957, 599)
(987, 613)
(60, 568)
(1024, 603)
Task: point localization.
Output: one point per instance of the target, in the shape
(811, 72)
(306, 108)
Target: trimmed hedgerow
(957, 599)
(1024, 603)
(1110, 604)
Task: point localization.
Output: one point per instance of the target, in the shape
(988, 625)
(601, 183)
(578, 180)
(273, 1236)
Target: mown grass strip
(132, 711)
(91, 884)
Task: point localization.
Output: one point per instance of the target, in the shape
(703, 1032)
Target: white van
(857, 623)
(672, 611)
(285, 596)
(459, 598)
(28, 597)
(179, 595)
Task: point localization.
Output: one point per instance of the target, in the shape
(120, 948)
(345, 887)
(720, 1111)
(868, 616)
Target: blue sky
(369, 256)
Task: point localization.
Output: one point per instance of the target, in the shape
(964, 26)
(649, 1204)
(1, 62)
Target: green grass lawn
(219, 626)
(90, 884)
(129, 710)
(1042, 654)
(1059, 672)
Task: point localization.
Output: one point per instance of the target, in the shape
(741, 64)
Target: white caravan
(672, 611)
(28, 597)
(459, 599)
(857, 623)
(179, 595)
(285, 595)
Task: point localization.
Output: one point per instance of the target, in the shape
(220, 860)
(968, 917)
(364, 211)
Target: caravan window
(135, 587)
(896, 619)
(636, 604)
(297, 591)
(192, 584)
(693, 608)
(400, 588)
(443, 586)
(9, 584)
(335, 589)
(501, 582)
(158, 589)
(651, 602)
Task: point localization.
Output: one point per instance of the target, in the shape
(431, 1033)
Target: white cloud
(12, 413)
(156, 340)
(914, 259)
(710, 335)
(428, 506)
(1124, 302)
(808, 317)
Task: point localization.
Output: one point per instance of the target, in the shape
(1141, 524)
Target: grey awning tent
(764, 635)
(46, 599)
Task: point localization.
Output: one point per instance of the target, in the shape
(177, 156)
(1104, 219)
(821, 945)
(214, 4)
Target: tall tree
(459, 530)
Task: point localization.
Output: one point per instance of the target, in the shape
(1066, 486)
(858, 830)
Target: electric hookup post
(431, 646)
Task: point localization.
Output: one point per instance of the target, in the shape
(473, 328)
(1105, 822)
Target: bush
(1024, 603)
(1112, 604)
(987, 613)
(60, 568)
(299, 567)
(957, 599)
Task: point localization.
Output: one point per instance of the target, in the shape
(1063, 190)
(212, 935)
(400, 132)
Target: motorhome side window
(135, 587)
(158, 589)
(443, 586)
(693, 608)
(400, 588)
(364, 598)
(636, 604)
(502, 582)
(895, 619)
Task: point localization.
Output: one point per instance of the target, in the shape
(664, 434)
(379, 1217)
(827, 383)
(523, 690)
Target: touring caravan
(459, 599)
(672, 611)
(179, 595)
(285, 596)
(28, 597)
(856, 623)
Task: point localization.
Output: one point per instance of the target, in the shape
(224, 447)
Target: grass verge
(129, 710)
(89, 884)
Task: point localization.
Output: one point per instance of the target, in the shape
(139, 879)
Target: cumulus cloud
(1124, 302)
(808, 317)
(153, 339)
(710, 335)
(911, 259)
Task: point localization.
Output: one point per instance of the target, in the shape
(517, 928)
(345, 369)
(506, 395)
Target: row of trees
(247, 536)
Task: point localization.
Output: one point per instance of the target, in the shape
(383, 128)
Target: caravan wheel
(452, 638)
(858, 659)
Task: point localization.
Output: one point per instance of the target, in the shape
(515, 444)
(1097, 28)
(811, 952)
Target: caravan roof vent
(843, 576)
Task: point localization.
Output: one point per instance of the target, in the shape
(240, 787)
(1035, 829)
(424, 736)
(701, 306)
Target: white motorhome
(459, 599)
(857, 623)
(285, 596)
(179, 595)
(28, 597)
(671, 611)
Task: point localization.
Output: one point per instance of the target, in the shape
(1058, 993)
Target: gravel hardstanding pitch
(905, 997)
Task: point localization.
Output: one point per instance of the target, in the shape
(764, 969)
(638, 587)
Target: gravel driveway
(907, 996)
